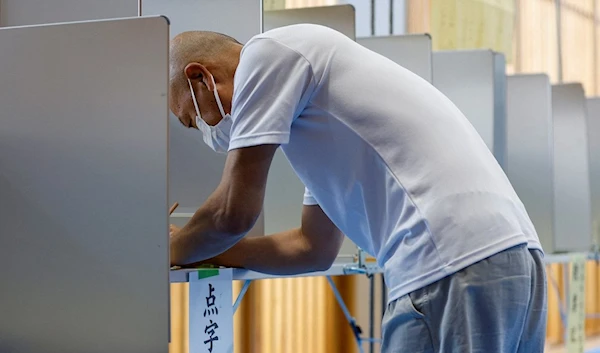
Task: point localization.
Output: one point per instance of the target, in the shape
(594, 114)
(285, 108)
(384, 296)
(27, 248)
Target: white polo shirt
(391, 161)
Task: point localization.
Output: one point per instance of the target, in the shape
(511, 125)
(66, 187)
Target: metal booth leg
(240, 296)
(355, 328)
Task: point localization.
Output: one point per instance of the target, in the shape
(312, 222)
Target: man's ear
(196, 71)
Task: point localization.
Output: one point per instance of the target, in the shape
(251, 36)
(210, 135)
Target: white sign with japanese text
(211, 311)
(576, 305)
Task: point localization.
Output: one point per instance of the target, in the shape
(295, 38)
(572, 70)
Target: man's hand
(173, 229)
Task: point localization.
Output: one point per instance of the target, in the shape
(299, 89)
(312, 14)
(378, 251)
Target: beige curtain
(536, 49)
(298, 315)
(578, 44)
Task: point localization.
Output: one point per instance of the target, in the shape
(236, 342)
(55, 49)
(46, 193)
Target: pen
(172, 209)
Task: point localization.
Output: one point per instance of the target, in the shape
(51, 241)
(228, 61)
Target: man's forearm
(284, 253)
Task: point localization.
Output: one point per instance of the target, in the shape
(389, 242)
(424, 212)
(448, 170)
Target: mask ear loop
(194, 99)
(217, 98)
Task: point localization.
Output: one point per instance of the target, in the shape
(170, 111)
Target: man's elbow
(324, 259)
(323, 265)
(236, 224)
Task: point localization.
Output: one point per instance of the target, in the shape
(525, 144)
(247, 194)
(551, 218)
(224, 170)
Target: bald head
(200, 56)
(207, 48)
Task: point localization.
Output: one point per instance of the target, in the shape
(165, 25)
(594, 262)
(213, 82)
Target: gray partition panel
(593, 125)
(30, 12)
(572, 210)
(475, 81)
(410, 51)
(83, 187)
(529, 140)
(240, 19)
(338, 17)
(194, 169)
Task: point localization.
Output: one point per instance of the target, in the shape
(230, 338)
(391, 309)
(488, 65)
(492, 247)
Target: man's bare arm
(312, 247)
(230, 212)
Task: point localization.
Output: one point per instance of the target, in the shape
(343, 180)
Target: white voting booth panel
(194, 169)
(572, 209)
(243, 18)
(83, 187)
(475, 81)
(338, 17)
(410, 51)
(529, 140)
(30, 12)
(284, 194)
(593, 126)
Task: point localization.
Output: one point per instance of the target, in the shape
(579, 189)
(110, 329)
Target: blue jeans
(497, 305)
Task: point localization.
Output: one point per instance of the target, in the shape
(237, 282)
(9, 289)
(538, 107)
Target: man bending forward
(386, 160)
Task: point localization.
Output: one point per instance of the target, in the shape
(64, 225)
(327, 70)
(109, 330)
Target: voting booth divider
(593, 129)
(572, 222)
(572, 201)
(592, 284)
(529, 142)
(412, 51)
(194, 175)
(475, 81)
(84, 249)
(342, 18)
(34, 12)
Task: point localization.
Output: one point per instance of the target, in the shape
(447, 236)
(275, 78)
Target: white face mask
(216, 137)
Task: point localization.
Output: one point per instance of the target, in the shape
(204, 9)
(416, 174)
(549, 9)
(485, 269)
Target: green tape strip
(205, 273)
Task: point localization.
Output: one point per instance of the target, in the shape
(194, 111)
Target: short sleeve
(309, 200)
(272, 85)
